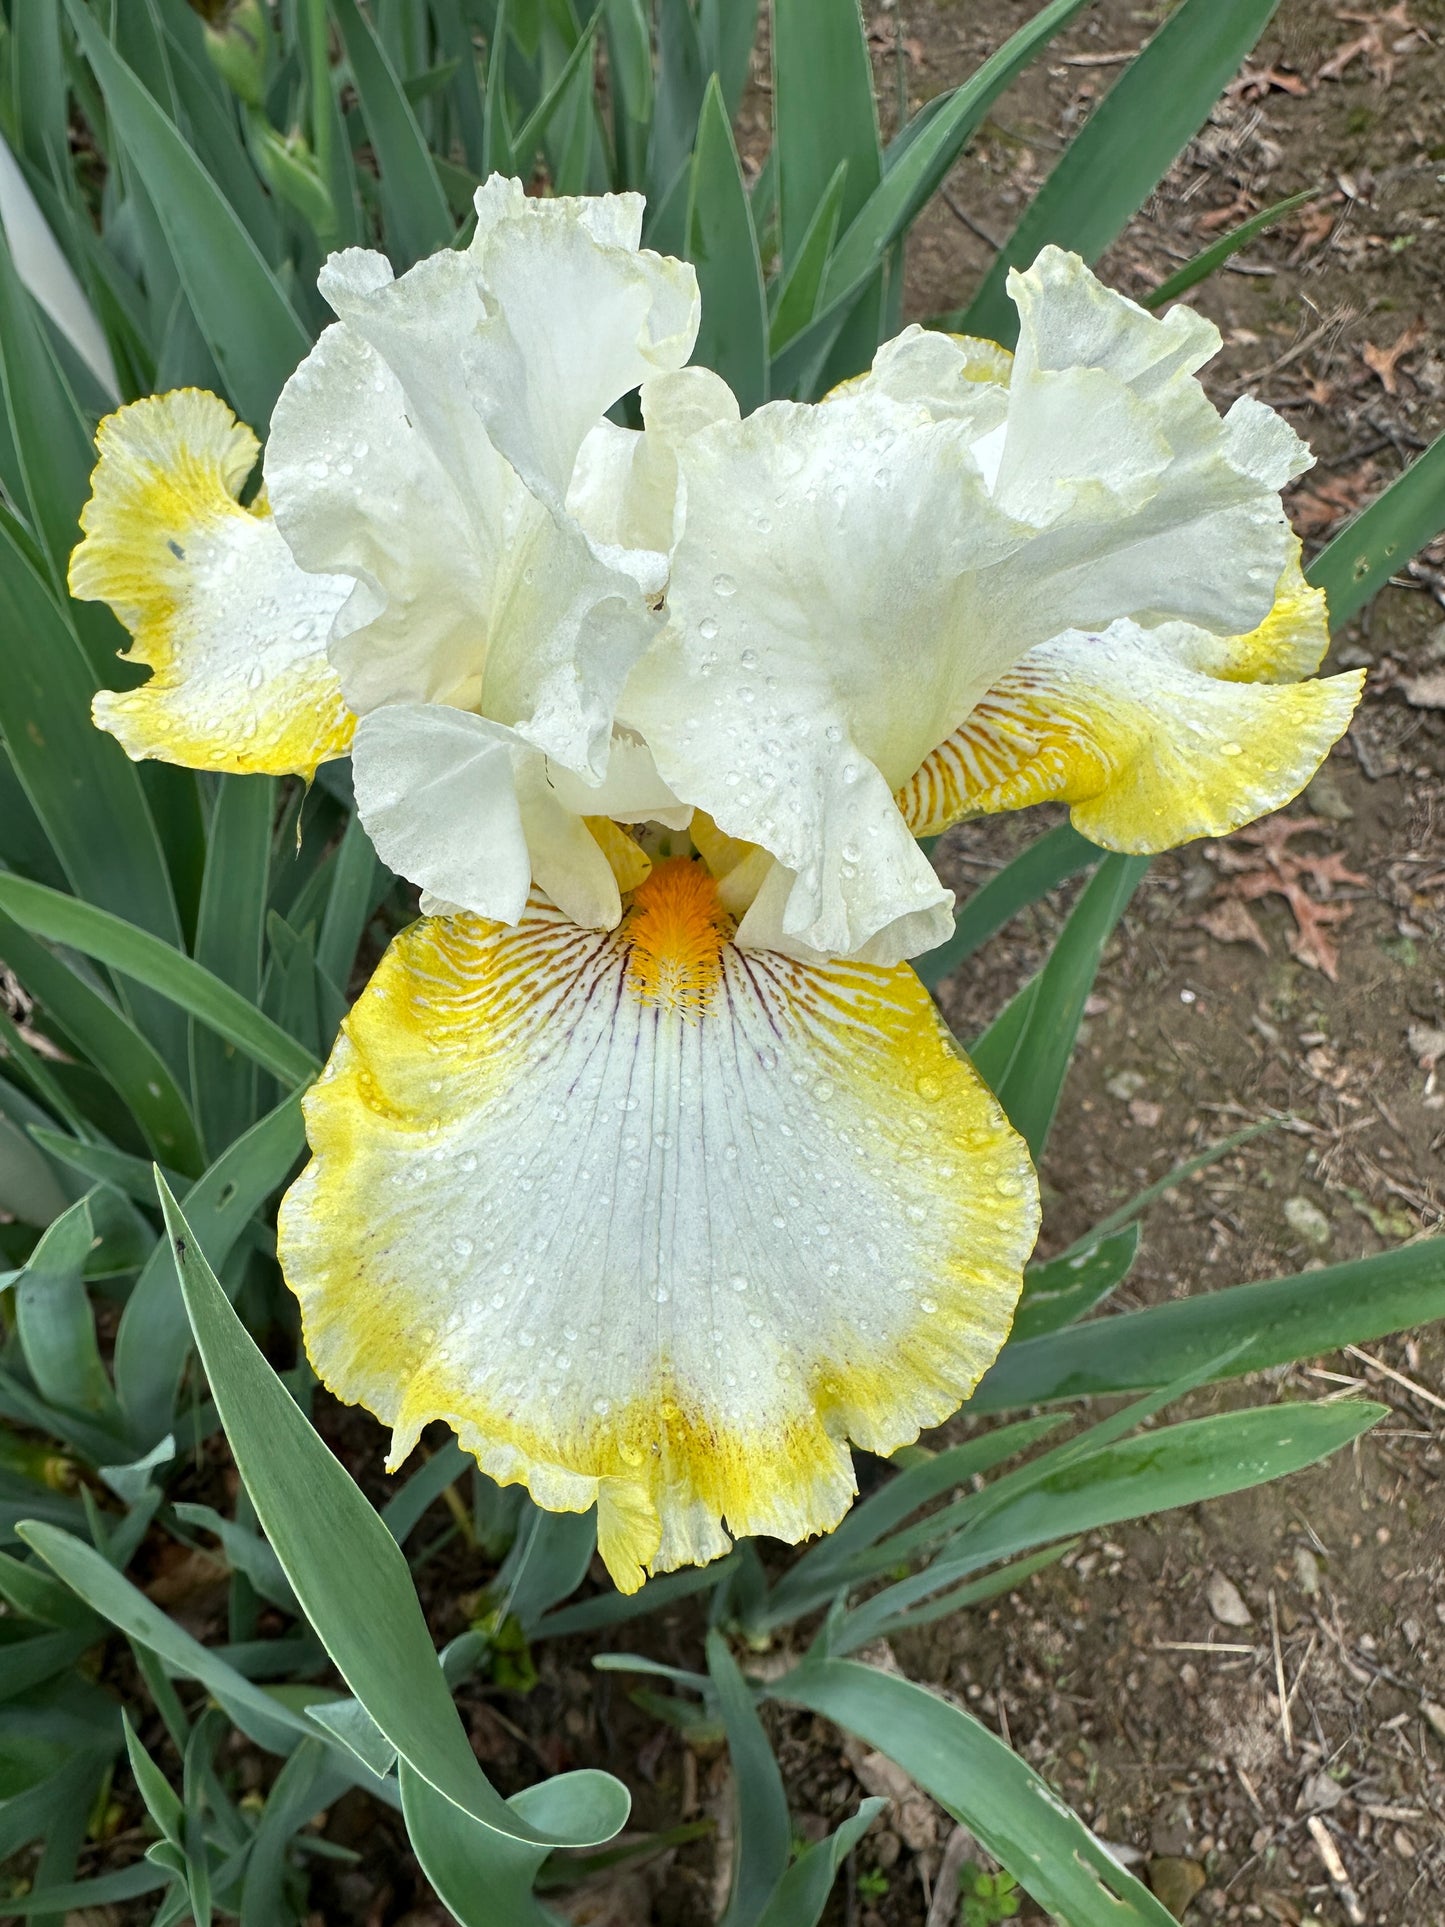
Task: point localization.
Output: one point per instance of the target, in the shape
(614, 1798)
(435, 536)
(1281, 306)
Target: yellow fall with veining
(459, 1051)
(240, 680)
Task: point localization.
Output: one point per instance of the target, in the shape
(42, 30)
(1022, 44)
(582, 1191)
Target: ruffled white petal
(820, 643)
(853, 578)
(630, 792)
(436, 789)
(425, 449)
(576, 316)
(624, 488)
(475, 814)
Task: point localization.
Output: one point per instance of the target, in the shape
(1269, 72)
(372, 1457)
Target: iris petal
(654, 1222)
(1152, 737)
(234, 633)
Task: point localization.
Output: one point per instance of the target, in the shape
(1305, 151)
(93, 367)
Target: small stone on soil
(1226, 1601)
(1307, 1221)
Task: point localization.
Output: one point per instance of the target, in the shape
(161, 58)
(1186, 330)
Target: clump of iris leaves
(178, 949)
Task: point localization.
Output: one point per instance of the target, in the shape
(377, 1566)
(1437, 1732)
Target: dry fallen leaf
(1255, 82)
(1382, 361)
(1228, 921)
(1260, 863)
(914, 1817)
(1378, 46)
(616, 1900)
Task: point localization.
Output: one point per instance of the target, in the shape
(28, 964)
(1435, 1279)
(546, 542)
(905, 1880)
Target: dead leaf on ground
(616, 1900)
(1333, 499)
(881, 35)
(1314, 225)
(914, 1817)
(1255, 82)
(1229, 216)
(1378, 45)
(184, 1576)
(1383, 361)
(1259, 862)
(1230, 922)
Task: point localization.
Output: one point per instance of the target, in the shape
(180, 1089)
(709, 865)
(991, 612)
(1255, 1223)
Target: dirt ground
(1142, 1675)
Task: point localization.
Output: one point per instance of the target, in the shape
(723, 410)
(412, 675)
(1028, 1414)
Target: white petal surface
(395, 458)
(436, 789)
(624, 489)
(576, 316)
(821, 643)
(654, 1223)
(854, 577)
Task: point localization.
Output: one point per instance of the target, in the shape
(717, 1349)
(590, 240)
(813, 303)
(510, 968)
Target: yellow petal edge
(653, 1222)
(1152, 739)
(233, 631)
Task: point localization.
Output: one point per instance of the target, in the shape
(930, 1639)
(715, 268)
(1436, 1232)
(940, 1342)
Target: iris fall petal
(654, 1222)
(232, 630)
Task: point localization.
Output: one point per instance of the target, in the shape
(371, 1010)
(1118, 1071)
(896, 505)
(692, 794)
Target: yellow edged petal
(1153, 736)
(654, 1222)
(1291, 641)
(234, 632)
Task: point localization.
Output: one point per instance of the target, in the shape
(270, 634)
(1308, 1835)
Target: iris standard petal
(852, 577)
(468, 590)
(425, 448)
(654, 1222)
(1148, 735)
(577, 315)
(820, 644)
(1145, 502)
(624, 488)
(232, 630)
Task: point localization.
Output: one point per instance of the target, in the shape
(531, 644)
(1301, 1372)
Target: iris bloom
(644, 1160)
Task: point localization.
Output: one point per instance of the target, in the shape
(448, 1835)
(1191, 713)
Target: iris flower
(644, 1161)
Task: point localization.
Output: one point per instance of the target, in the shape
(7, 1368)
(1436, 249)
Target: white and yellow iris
(644, 1160)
